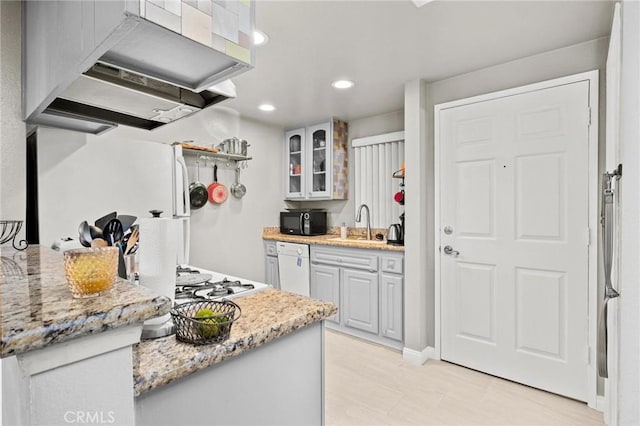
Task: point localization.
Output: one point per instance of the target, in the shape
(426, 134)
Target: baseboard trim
(601, 403)
(418, 357)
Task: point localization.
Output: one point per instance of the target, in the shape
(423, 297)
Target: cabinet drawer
(345, 258)
(392, 264)
(270, 248)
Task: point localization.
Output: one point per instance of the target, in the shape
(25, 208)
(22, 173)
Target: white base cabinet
(391, 312)
(360, 300)
(367, 287)
(326, 287)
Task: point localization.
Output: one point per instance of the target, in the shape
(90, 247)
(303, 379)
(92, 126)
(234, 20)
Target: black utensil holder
(122, 269)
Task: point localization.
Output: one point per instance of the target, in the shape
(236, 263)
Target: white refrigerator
(83, 180)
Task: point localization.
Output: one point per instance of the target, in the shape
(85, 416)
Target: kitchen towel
(157, 264)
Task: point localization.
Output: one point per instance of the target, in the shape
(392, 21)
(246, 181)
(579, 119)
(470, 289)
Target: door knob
(450, 251)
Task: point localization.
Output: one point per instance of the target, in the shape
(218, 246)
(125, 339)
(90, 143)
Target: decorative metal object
(194, 326)
(9, 231)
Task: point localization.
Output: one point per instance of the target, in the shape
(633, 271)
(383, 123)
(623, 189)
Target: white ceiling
(383, 44)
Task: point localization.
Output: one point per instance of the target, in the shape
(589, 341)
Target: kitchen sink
(358, 239)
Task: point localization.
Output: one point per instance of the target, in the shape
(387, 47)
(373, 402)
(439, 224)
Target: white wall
(344, 211)
(629, 302)
(80, 178)
(12, 129)
(420, 268)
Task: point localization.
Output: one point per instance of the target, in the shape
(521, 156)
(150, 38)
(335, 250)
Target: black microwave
(303, 222)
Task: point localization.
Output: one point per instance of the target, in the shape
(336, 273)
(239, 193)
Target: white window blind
(376, 158)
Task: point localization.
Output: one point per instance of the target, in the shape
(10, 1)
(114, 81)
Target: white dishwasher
(293, 262)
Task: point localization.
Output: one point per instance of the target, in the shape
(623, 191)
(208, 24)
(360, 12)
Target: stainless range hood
(112, 95)
(141, 74)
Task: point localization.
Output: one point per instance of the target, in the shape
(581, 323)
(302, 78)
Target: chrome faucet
(359, 218)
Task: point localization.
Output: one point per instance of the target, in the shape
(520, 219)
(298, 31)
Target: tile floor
(367, 384)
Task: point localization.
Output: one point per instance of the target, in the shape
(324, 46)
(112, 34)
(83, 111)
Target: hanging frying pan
(197, 191)
(217, 192)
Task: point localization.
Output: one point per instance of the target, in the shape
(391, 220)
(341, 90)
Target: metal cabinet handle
(450, 251)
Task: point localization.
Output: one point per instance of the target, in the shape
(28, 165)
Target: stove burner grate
(210, 290)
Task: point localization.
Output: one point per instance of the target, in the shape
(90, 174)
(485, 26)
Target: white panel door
(514, 192)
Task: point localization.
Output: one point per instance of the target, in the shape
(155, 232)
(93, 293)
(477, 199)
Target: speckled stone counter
(38, 309)
(331, 239)
(266, 316)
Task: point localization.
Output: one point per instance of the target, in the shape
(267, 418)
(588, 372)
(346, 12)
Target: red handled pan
(217, 192)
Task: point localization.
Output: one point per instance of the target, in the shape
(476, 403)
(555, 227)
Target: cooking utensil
(229, 146)
(234, 146)
(238, 190)
(102, 222)
(126, 220)
(95, 232)
(218, 193)
(84, 234)
(113, 232)
(132, 240)
(197, 191)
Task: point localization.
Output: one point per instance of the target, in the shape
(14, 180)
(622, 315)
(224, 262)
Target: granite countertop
(266, 316)
(38, 309)
(332, 238)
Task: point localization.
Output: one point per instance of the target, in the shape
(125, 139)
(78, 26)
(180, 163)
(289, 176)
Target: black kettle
(395, 235)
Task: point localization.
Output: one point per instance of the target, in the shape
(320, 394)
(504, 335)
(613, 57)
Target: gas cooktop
(195, 284)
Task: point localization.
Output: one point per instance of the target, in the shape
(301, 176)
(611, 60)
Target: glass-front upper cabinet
(319, 178)
(316, 161)
(295, 156)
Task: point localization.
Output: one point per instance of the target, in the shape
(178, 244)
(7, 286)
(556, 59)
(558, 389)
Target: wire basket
(197, 326)
(9, 231)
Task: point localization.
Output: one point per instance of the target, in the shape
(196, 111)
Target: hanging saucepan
(228, 146)
(217, 192)
(238, 190)
(197, 191)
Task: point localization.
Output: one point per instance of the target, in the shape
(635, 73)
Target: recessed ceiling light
(420, 3)
(343, 84)
(259, 38)
(266, 107)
